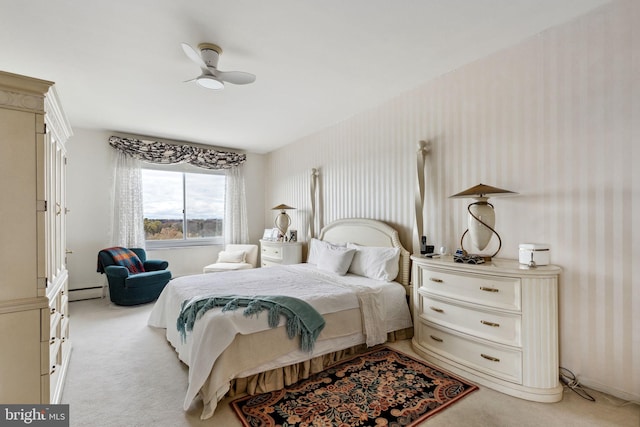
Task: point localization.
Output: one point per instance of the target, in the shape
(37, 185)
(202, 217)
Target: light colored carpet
(124, 373)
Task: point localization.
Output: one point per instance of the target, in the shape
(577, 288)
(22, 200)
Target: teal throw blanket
(302, 318)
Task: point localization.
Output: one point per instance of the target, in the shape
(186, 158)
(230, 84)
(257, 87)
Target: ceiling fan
(211, 77)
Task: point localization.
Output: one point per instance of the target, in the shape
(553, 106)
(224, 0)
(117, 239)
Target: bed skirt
(277, 379)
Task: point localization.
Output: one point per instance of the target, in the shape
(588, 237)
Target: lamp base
(282, 223)
(485, 257)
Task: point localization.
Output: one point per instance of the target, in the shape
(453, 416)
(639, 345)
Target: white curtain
(235, 218)
(128, 219)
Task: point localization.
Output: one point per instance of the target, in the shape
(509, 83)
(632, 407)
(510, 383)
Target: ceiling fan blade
(236, 77)
(193, 55)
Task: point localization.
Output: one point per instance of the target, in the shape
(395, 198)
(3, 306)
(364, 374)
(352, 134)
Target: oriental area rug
(377, 388)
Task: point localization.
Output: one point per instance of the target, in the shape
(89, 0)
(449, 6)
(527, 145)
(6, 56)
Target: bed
(229, 353)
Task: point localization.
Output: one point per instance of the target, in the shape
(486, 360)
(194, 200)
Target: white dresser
(495, 324)
(34, 321)
(280, 253)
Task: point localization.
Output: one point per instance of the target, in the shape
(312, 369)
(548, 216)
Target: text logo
(34, 415)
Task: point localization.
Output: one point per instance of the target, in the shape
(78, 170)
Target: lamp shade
(482, 217)
(281, 207)
(481, 190)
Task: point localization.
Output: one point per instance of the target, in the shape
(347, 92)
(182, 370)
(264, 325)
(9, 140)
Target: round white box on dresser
(494, 323)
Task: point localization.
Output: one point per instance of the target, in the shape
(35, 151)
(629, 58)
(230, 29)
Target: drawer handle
(53, 370)
(486, 322)
(276, 252)
(52, 311)
(491, 358)
(52, 341)
(435, 279)
(436, 338)
(486, 289)
(437, 310)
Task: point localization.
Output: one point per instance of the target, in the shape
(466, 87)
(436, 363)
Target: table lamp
(482, 217)
(283, 221)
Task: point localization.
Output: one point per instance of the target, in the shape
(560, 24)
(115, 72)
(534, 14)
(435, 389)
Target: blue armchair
(132, 278)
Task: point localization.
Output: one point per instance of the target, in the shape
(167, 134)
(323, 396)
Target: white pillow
(231, 256)
(314, 247)
(335, 259)
(377, 263)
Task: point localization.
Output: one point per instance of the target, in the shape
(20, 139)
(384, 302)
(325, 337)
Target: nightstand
(280, 253)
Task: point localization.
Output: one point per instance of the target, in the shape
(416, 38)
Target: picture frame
(293, 235)
(268, 234)
(275, 233)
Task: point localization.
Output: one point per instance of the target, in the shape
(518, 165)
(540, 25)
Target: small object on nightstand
(463, 257)
(533, 254)
(426, 250)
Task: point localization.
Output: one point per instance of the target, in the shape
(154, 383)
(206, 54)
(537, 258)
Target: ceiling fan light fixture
(210, 82)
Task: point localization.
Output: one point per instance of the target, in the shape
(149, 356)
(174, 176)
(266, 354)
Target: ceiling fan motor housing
(210, 53)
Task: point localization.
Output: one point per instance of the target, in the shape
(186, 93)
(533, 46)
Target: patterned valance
(165, 153)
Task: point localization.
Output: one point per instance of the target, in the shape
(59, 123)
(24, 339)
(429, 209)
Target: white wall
(90, 179)
(556, 119)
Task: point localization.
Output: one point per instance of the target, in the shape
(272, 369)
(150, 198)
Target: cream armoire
(34, 321)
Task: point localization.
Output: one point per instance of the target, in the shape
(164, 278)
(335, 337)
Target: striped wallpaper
(556, 119)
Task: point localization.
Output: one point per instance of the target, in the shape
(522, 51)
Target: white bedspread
(382, 304)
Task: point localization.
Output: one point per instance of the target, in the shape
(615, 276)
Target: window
(182, 208)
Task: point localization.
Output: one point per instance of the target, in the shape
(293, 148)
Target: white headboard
(369, 232)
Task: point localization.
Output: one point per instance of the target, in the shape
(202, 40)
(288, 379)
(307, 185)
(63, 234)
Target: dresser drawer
(491, 291)
(495, 360)
(273, 252)
(495, 326)
(268, 263)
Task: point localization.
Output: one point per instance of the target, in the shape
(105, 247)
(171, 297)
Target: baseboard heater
(79, 294)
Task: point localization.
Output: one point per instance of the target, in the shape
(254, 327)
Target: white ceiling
(118, 65)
